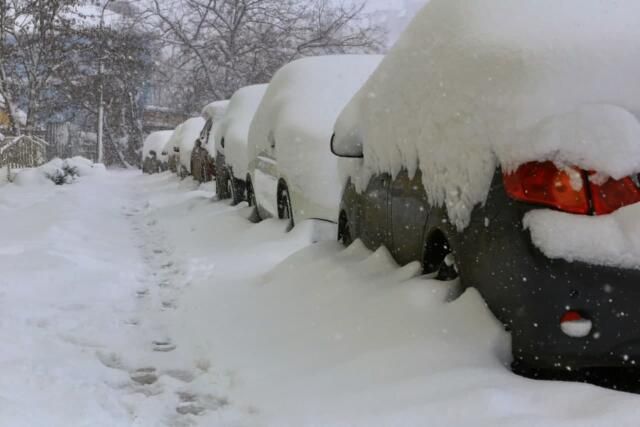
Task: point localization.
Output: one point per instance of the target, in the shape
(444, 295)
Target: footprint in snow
(132, 321)
(194, 404)
(144, 376)
(163, 346)
(110, 360)
(168, 305)
(180, 375)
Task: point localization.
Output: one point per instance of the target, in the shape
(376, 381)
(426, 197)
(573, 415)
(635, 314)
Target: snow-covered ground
(130, 300)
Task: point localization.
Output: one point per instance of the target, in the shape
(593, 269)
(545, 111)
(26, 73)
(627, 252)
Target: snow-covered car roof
(298, 112)
(470, 83)
(234, 127)
(184, 137)
(156, 141)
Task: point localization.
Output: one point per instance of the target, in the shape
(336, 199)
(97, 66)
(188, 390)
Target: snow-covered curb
(610, 240)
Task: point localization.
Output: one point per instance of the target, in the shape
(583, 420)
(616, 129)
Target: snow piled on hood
(471, 85)
(298, 112)
(234, 128)
(184, 137)
(156, 141)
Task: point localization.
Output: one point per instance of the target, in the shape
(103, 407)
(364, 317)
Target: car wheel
(228, 185)
(251, 195)
(284, 205)
(251, 198)
(237, 191)
(345, 235)
(439, 257)
(222, 183)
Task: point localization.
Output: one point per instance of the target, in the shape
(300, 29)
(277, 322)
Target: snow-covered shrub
(58, 171)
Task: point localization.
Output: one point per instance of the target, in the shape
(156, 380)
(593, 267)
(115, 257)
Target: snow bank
(184, 137)
(470, 84)
(58, 171)
(234, 128)
(156, 141)
(610, 240)
(297, 115)
(295, 331)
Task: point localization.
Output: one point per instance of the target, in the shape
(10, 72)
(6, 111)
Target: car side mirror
(352, 151)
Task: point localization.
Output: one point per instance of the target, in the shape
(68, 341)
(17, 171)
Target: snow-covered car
(292, 173)
(202, 163)
(231, 138)
(181, 144)
(500, 142)
(154, 156)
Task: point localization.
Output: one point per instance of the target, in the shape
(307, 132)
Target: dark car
(465, 134)
(559, 313)
(202, 166)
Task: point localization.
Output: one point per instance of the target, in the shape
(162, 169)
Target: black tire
(439, 257)
(251, 198)
(236, 189)
(345, 234)
(222, 185)
(284, 205)
(228, 186)
(251, 195)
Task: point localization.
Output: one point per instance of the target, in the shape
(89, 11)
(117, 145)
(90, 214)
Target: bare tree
(217, 46)
(37, 41)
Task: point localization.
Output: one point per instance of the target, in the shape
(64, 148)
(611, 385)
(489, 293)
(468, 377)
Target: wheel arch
(439, 238)
(350, 210)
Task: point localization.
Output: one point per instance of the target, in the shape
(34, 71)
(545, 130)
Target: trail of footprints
(163, 275)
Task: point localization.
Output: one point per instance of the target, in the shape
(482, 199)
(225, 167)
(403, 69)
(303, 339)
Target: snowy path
(141, 301)
(82, 344)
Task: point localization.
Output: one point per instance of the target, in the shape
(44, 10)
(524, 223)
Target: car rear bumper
(530, 293)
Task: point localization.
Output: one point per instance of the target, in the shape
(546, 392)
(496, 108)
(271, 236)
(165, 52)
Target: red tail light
(614, 194)
(545, 184)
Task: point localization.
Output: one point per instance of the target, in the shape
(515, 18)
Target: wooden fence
(26, 151)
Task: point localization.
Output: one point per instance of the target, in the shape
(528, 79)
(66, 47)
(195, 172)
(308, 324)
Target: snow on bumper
(610, 240)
